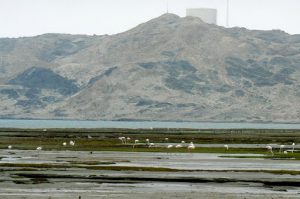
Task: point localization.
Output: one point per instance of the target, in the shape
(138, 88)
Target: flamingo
(226, 147)
(182, 143)
(72, 143)
(151, 145)
(280, 148)
(123, 140)
(191, 146)
(39, 148)
(135, 142)
(148, 141)
(120, 138)
(270, 149)
(293, 147)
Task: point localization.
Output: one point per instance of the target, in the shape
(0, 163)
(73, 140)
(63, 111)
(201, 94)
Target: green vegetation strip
(110, 136)
(93, 167)
(143, 148)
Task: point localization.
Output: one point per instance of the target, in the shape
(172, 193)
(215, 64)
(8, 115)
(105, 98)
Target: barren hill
(169, 68)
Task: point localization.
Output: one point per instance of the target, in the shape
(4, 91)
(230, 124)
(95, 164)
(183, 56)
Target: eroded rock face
(169, 68)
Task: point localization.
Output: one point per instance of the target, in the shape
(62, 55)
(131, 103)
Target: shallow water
(8, 123)
(188, 161)
(244, 185)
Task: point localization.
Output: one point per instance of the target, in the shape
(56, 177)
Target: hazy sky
(33, 17)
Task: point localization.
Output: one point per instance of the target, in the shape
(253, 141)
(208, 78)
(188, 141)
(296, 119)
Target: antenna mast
(167, 6)
(227, 14)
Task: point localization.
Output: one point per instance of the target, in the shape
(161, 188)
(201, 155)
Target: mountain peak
(166, 18)
(158, 22)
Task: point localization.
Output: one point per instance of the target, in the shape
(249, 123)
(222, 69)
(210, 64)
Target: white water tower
(208, 15)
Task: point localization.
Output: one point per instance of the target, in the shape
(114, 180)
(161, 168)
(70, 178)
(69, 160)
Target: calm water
(141, 124)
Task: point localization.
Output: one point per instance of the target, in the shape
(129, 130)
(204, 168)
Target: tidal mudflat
(102, 164)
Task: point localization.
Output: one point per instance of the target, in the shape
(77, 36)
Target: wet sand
(203, 176)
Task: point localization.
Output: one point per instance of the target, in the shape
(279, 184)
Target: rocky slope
(169, 68)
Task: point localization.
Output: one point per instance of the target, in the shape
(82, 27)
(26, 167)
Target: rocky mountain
(169, 68)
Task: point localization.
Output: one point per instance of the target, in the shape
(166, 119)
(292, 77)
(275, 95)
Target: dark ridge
(105, 73)
(37, 78)
(259, 72)
(11, 93)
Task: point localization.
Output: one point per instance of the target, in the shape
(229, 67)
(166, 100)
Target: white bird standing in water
(123, 140)
(151, 145)
(147, 141)
(120, 138)
(39, 148)
(135, 142)
(281, 148)
(72, 143)
(293, 145)
(9, 147)
(169, 146)
(226, 147)
(270, 149)
(191, 146)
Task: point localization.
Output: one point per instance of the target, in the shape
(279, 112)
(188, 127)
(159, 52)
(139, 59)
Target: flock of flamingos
(190, 146)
